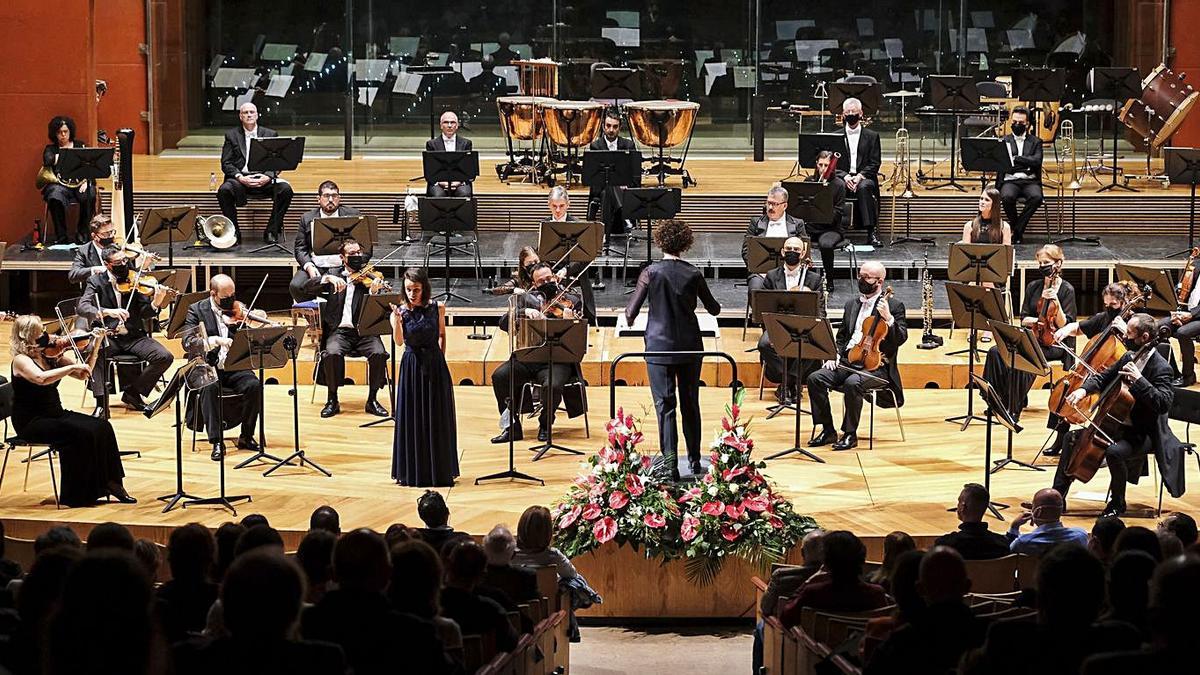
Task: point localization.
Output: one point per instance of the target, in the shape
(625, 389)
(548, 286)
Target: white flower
(633, 456)
(733, 487)
(724, 457)
(712, 490)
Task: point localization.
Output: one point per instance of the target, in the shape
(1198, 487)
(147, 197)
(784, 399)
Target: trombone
(1065, 147)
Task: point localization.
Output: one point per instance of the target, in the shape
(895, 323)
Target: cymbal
(901, 94)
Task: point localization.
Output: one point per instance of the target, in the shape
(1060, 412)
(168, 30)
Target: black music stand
(561, 242)
(1118, 84)
(168, 223)
(808, 145)
(444, 215)
(170, 395)
(1161, 299)
(179, 311)
(274, 155)
(763, 254)
(954, 94)
(258, 349)
(616, 85)
(648, 204)
(84, 163)
(329, 233)
(995, 411)
(555, 341)
(460, 166)
(810, 201)
(977, 264)
(605, 170)
(292, 339)
(1182, 165)
(868, 93)
(986, 155)
(790, 336)
(973, 306)
(375, 319)
(1039, 85)
(1021, 350)
(792, 303)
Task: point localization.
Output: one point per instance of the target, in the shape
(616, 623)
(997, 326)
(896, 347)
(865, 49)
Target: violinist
(343, 290)
(775, 222)
(214, 313)
(535, 304)
(828, 236)
(87, 446)
(1048, 304)
(89, 257)
(796, 273)
(558, 203)
(329, 205)
(1149, 381)
(111, 300)
(1185, 323)
(853, 380)
(522, 277)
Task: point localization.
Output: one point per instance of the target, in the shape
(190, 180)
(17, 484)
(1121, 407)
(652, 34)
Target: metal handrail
(612, 371)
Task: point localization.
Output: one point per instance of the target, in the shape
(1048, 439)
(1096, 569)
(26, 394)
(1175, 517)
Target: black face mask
(106, 241)
(226, 303)
(1046, 270)
(1019, 128)
(548, 289)
(1131, 345)
(866, 287)
(527, 271)
(356, 262)
(791, 258)
(120, 271)
(43, 340)
(1111, 312)
(851, 119)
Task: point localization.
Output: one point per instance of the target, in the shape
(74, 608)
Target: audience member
(474, 614)
(432, 510)
(9, 569)
(518, 583)
(184, 601)
(894, 544)
(1138, 538)
(261, 596)
(315, 557)
(258, 536)
(1129, 589)
(1047, 516)
(840, 587)
(535, 531)
(254, 519)
(972, 540)
(416, 589)
(1169, 544)
(1181, 525)
(41, 591)
(398, 533)
(785, 581)
(938, 635)
(325, 518)
(1103, 539)
(226, 538)
(148, 557)
(59, 535)
(909, 604)
(110, 535)
(357, 617)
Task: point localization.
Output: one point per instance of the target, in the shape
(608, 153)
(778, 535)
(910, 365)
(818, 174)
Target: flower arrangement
(732, 511)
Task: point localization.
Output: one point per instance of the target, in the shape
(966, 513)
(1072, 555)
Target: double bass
(867, 352)
(1107, 424)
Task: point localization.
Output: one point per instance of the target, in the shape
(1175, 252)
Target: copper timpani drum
(663, 124)
(572, 123)
(521, 116)
(1165, 101)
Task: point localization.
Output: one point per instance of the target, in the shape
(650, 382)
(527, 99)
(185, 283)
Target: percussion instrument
(572, 123)
(538, 77)
(1165, 102)
(662, 124)
(521, 117)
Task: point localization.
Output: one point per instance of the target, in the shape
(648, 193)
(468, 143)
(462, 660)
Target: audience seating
(993, 576)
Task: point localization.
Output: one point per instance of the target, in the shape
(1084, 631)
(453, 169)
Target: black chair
(12, 442)
(1185, 408)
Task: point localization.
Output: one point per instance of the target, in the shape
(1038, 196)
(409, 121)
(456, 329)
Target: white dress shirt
(450, 142)
(777, 228)
(1013, 154)
(852, 136)
(348, 307)
(250, 135)
(791, 277)
(331, 259)
(864, 311)
(222, 331)
(612, 145)
(1194, 298)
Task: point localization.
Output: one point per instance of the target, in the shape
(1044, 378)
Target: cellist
(1149, 381)
(1051, 295)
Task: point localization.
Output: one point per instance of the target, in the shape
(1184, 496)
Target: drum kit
(544, 135)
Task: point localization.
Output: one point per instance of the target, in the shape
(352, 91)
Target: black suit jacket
(1030, 159)
(870, 155)
(303, 244)
(331, 309)
(233, 153)
(201, 313)
(98, 294)
(85, 259)
(672, 287)
(601, 144)
(461, 144)
(776, 280)
(758, 228)
(896, 336)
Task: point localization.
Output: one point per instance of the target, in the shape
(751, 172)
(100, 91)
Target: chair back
(6, 398)
(993, 576)
(1186, 406)
(547, 582)
(1027, 566)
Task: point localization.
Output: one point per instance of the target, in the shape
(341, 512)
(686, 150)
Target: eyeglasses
(774, 203)
(330, 195)
(868, 278)
(450, 123)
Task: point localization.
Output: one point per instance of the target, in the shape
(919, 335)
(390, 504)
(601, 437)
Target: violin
(145, 285)
(1187, 281)
(368, 277)
(1048, 313)
(77, 342)
(558, 308)
(240, 314)
(867, 352)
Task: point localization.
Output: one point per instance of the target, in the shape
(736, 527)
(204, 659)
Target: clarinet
(928, 339)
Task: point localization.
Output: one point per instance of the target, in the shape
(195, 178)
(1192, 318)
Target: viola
(1187, 281)
(867, 352)
(145, 285)
(1048, 313)
(240, 313)
(78, 342)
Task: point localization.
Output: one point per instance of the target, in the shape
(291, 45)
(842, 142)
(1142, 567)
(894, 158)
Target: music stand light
(972, 307)
(1020, 349)
(1118, 84)
(272, 156)
(162, 224)
(1182, 166)
(375, 319)
(443, 216)
(800, 338)
(955, 94)
(1162, 292)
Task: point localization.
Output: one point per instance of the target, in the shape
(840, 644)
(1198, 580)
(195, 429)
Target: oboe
(928, 339)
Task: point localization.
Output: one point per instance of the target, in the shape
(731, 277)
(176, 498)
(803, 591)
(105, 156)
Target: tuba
(217, 230)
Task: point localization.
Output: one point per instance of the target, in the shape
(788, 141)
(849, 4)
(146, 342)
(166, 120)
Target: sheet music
(1028, 22)
(622, 37)
(1074, 44)
(976, 40)
(703, 55)
(235, 102)
(437, 59)
(234, 78)
(786, 30)
(743, 77)
(215, 65)
(509, 73)
(523, 50)
(894, 48)
(983, 19)
(403, 45)
(371, 70)
(866, 28)
(1019, 39)
(408, 83)
(624, 19)
(366, 95)
(275, 51)
(810, 50)
(711, 72)
(315, 62)
(469, 69)
(278, 88)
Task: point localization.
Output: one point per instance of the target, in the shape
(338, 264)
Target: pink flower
(712, 508)
(596, 490)
(730, 532)
(730, 474)
(725, 424)
(734, 410)
(776, 522)
(633, 484)
(735, 511)
(605, 529)
(570, 517)
(591, 512)
(617, 500)
(654, 520)
(688, 496)
(758, 502)
(708, 479)
(645, 462)
(688, 530)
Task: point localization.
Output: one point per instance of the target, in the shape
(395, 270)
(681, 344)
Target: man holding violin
(1147, 376)
(113, 299)
(89, 257)
(343, 289)
(1185, 327)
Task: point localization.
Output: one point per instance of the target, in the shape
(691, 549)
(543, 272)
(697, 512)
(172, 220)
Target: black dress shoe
(133, 401)
(848, 441)
(543, 434)
(373, 408)
(81, 238)
(824, 438)
(675, 474)
(218, 452)
(118, 493)
(331, 408)
(60, 240)
(1112, 509)
(100, 411)
(271, 237)
(695, 467)
(873, 240)
(512, 433)
(248, 444)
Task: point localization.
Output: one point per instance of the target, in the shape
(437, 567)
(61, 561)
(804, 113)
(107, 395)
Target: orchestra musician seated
(776, 222)
(987, 227)
(559, 203)
(111, 300)
(344, 290)
(89, 257)
(863, 318)
(329, 205)
(59, 195)
(795, 274)
(860, 168)
(829, 236)
(1185, 326)
(521, 278)
(1024, 181)
(449, 141)
(241, 183)
(606, 203)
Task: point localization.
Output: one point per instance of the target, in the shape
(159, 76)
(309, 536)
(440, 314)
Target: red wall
(120, 31)
(1185, 17)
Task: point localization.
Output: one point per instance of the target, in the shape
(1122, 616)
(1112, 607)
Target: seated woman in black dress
(87, 446)
(59, 196)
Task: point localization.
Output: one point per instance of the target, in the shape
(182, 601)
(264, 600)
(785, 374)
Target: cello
(1048, 312)
(866, 353)
(1105, 426)
(1101, 351)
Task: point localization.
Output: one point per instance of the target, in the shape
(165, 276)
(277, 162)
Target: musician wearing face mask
(558, 202)
(795, 274)
(512, 375)
(606, 203)
(58, 195)
(859, 167)
(1051, 288)
(340, 313)
(1148, 377)
(829, 236)
(775, 223)
(1185, 328)
(522, 277)
(854, 381)
(1024, 180)
(329, 205)
(89, 257)
(110, 300)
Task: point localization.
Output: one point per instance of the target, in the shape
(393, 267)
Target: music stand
(1118, 84)
(450, 167)
(163, 223)
(443, 215)
(866, 92)
(1182, 165)
(1020, 349)
(375, 319)
(1036, 85)
(1162, 292)
(169, 396)
(175, 327)
(574, 241)
(649, 204)
(271, 156)
(84, 163)
(329, 233)
(810, 201)
(995, 411)
(800, 337)
(763, 253)
(292, 339)
(986, 155)
(957, 95)
(616, 84)
(793, 303)
(556, 341)
(808, 145)
(973, 306)
(977, 264)
(258, 349)
(606, 170)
